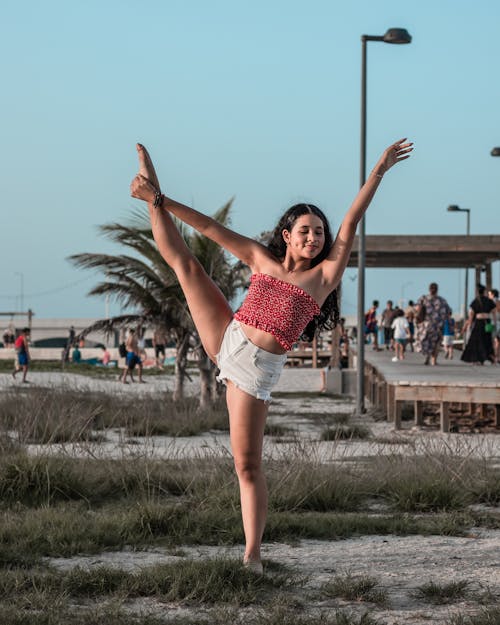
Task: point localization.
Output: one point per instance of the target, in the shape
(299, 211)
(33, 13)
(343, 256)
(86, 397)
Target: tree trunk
(180, 365)
(206, 368)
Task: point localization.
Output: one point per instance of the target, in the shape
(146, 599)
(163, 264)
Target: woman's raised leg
(247, 419)
(209, 308)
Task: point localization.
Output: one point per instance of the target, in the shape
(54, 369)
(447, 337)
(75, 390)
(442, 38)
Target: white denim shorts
(250, 368)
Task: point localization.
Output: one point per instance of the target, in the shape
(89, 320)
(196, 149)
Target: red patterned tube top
(277, 307)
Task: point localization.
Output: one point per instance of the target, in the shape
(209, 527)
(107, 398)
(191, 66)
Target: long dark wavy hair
(329, 314)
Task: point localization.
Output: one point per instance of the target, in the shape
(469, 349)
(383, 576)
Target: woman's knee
(248, 470)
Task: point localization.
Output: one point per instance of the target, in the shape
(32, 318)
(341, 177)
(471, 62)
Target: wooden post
(445, 416)
(315, 352)
(390, 402)
(397, 414)
(335, 348)
(419, 412)
(488, 275)
(478, 277)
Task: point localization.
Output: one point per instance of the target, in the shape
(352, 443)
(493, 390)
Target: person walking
(387, 319)
(448, 336)
(493, 295)
(410, 316)
(371, 327)
(21, 345)
(432, 310)
(479, 347)
(401, 332)
(159, 342)
(132, 358)
(292, 293)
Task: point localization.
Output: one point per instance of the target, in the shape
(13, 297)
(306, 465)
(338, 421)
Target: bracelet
(158, 201)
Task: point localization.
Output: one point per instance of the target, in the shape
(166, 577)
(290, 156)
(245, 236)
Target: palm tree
(144, 281)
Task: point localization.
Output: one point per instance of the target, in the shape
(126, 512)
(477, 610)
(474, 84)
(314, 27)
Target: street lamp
(453, 208)
(397, 36)
(495, 152)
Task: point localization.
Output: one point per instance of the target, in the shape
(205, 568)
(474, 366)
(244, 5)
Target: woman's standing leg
(247, 419)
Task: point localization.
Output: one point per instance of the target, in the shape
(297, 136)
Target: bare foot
(146, 167)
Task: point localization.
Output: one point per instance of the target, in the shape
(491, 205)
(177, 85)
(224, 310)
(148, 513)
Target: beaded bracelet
(158, 201)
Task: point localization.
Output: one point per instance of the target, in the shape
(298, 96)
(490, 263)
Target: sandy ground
(400, 564)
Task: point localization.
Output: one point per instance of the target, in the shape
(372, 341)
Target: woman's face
(306, 239)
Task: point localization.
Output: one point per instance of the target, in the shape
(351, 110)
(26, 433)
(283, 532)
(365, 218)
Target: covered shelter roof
(432, 251)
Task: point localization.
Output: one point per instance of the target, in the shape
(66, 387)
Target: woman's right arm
(244, 248)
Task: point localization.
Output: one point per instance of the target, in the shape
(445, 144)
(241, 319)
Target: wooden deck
(389, 384)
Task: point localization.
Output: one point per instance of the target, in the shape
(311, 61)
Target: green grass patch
(188, 581)
(355, 588)
(69, 529)
(58, 415)
(433, 482)
(275, 429)
(433, 592)
(345, 432)
(487, 616)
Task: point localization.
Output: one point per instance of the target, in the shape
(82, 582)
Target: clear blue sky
(257, 100)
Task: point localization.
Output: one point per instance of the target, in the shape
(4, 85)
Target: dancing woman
(292, 286)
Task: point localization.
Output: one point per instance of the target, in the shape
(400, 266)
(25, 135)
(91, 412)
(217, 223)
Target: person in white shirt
(401, 329)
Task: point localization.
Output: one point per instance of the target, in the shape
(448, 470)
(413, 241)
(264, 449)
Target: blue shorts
(401, 341)
(132, 360)
(22, 359)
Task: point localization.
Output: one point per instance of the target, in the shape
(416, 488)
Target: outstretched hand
(396, 153)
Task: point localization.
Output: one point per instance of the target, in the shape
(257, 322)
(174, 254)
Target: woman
(292, 285)
(432, 310)
(480, 344)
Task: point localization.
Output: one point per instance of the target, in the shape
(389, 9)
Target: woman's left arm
(335, 263)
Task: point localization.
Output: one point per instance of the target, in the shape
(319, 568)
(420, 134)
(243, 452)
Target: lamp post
(453, 208)
(495, 152)
(397, 36)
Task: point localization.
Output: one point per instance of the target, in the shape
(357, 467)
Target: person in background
(159, 342)
(431, 312)
(76, 356)
(493, 295)
(410, 316)
(132, 359)
(448, 335)
(387, 319)
(401, 332)
(479, 347)
(23, 354)
(371, 327)
(344, 345)
(106, 356)
(9, 337)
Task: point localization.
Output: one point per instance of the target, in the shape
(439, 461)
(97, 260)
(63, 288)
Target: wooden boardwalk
(389, 384)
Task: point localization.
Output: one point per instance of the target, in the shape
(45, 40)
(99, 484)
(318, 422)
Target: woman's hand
(142, 189)
(395, 153)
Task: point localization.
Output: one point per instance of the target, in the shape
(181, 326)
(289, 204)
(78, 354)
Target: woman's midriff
(262, 339)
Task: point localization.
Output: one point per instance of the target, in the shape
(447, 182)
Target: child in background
(401, 330)
(448, 336)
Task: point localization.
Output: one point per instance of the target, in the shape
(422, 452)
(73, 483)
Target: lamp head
(495, 152)
(397, 35)
(453, 208)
